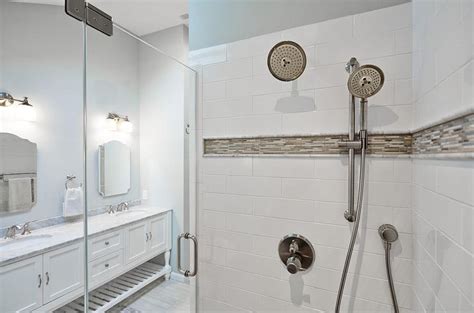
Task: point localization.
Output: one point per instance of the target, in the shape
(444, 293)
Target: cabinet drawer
(105, 244)
(105, 268)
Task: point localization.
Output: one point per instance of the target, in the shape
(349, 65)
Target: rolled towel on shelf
(73, 201)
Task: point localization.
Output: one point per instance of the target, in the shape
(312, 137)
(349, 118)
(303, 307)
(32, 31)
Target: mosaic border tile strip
(454, 136)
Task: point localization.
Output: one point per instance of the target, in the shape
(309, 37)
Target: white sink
(129, 213)
(20, 240)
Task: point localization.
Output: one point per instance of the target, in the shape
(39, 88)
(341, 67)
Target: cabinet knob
(106, 243)
(106, 265)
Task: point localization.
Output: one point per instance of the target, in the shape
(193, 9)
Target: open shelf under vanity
(119, 289)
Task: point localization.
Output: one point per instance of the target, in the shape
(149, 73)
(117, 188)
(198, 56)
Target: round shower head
(366, 81)
(286, 61)
(388, 233)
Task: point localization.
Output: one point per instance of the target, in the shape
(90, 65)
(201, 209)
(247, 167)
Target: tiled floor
(159, 297)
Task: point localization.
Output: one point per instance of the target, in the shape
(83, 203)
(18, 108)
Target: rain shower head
(365, 81)
(388, 233)
(286, 61)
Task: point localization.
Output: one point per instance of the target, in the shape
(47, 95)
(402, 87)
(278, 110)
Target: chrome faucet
(111, 209)
(12, 230)
(122, 206)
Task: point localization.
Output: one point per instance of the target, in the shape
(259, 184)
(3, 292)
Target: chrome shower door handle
(188, 273)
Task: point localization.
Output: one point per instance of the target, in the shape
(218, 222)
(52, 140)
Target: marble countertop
(50, 238)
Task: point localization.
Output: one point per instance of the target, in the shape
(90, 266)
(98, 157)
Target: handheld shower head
(365, 81)
(388, 233)
(286, 61)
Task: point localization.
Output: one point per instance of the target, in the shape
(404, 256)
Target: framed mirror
(17, 173)
(114, 168)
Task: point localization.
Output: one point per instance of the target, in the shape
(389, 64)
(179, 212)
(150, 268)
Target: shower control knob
(293, 264)
(296, 253)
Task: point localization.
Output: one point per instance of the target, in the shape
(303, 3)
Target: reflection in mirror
(114, 168)
(17, 173)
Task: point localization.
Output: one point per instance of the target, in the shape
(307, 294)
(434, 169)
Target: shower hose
(358, 210)
(388, 247)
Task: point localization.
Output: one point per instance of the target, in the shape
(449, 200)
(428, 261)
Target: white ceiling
(139, 16)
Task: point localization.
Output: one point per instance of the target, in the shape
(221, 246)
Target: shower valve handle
(293, 264)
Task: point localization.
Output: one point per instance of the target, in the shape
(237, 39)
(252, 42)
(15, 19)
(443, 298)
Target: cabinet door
(103, 269)
(21, 285)
(158, 230)
(135, 242)
(63, 271)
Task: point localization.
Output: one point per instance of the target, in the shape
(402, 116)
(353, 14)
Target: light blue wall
(213, 22)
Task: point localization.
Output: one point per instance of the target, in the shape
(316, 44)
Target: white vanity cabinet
(148, 237)
(54, 278)
(21, 285)
(30, 283)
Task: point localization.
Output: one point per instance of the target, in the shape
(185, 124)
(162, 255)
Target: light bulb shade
(25, 112)
(126, 126)
(111, 124)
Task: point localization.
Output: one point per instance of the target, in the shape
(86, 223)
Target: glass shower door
(140, 124)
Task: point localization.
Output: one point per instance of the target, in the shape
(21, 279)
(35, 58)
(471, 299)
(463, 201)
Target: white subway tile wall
(241, 97)
(443, 190)
(443, 199)
(247, 204)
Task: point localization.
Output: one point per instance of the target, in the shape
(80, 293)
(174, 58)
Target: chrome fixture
(296, 252)
(12, 231)
(118, 122)
(7, 99)
(389, 234)
(286, 61)
(364, 82)
(110, 209)
(122, 206)
(70, 179)
(24, 111)
(188, 273)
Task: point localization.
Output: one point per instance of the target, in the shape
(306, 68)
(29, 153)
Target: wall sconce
(23, 110)
(116, 122)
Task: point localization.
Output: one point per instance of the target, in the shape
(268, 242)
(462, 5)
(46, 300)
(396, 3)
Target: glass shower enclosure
(112, 161)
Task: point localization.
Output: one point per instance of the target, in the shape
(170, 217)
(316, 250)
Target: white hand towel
(73, 202)
(20, 193)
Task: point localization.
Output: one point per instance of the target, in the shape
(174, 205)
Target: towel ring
(70, 178)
